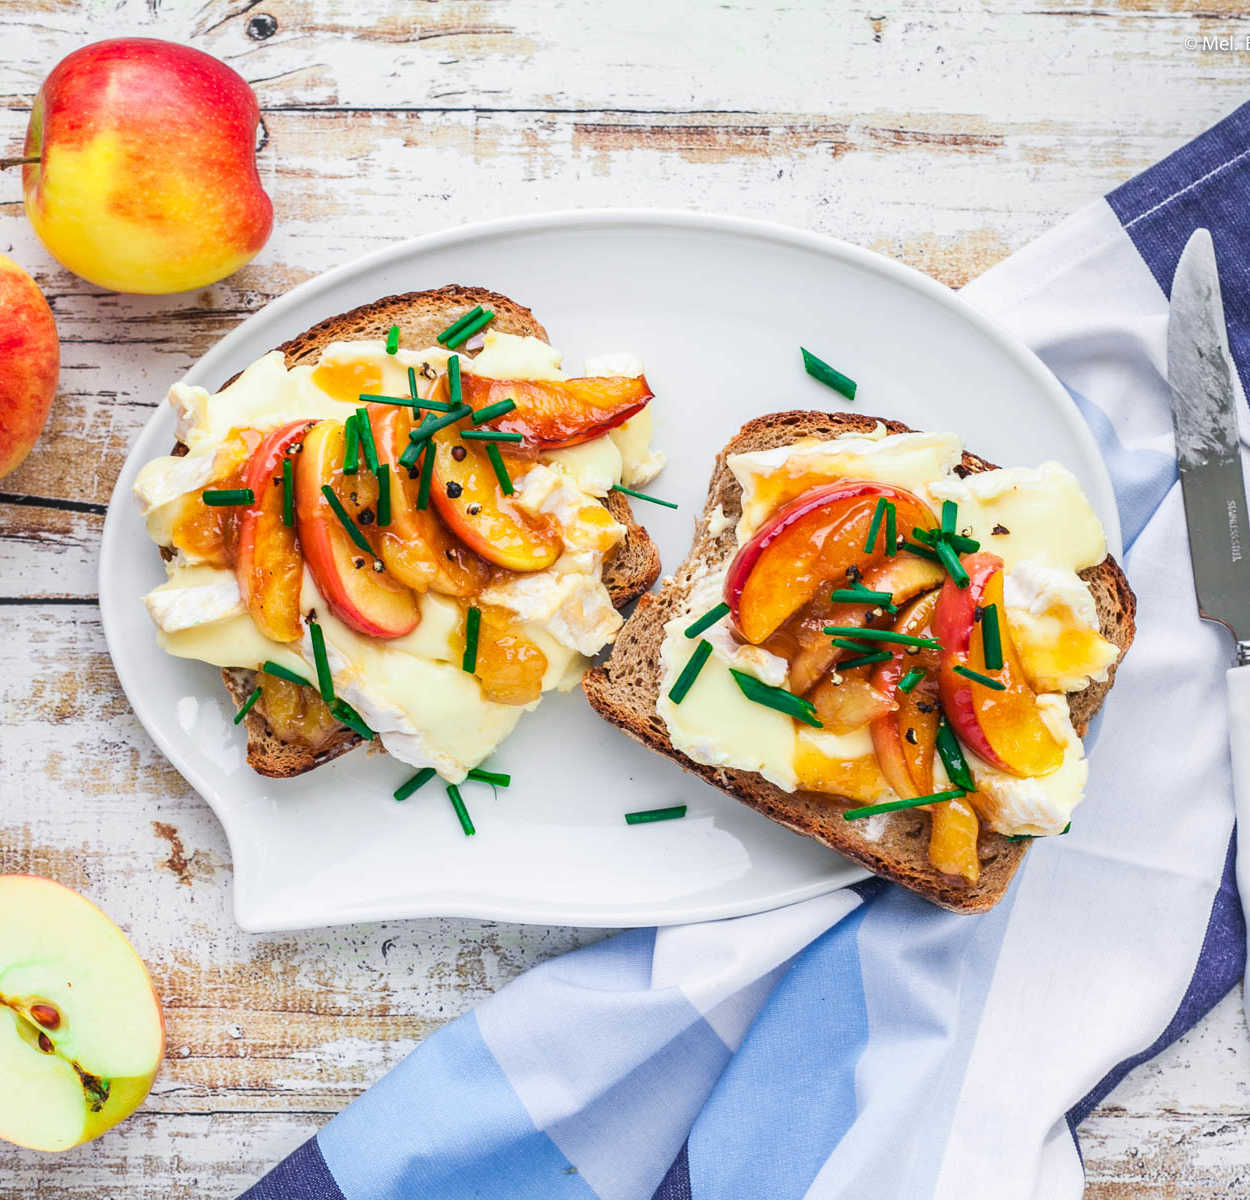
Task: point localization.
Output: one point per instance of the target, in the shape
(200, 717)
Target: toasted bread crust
(625, 690)
(627, 573)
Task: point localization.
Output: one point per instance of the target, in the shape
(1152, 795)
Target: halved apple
(268, 563)
(1003, 727)
(470, 500)
(416, 546)
(550, 413)
(807, 544)
(81, 1033)
(362, 596)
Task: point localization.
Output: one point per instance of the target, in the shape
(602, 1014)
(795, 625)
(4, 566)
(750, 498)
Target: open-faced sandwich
(884, 642)
(405, 524)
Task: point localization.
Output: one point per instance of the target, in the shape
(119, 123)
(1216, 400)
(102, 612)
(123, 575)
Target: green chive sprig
(462, 813)
(647, 815)
(708, 619)
(325, 681)
(392, 340)
(427, 477)
(854, 814)
(950, 560)
(774, 697)
(490, 435)
(891, 531)
(459, 323)
(862, 633)
(878, 514)
(952, 755)
(909, 681)
(288, 493)
(865, 660)
(346, 715)
(642, 496)
(248, 704)
(690, 672)
(991, 638)
(820, 370)
(384, 494)
(863, 595)
(351, 452)
(472, 629)
(280, 672)
(454, 392)
(353, 530)
(501, 471)
(950, 514)
(984, 680)
(920, 551)
(405, 402)
(491, 411)
(229, 497)
(494, 778)
(364, 430)
(415, 445)
(466, 331)
(432, 425)
(419, 780)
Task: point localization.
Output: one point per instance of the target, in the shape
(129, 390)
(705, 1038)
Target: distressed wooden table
(942, 132)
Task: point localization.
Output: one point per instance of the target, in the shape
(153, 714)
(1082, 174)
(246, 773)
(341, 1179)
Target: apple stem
(6, 163)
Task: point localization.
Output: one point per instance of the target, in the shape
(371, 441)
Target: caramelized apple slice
(471, 502)
(368, 600)
(554, 413)
(1003, 727)
(849, 704)
(510, 667)
(953, 839)
(207, 533)
(268, 563)
(416, 546)
(296, 713)
(809, 544)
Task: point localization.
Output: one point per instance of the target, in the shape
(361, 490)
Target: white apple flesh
(81, 1032)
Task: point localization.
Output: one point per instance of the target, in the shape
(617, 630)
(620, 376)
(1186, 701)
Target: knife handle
(1239, 746)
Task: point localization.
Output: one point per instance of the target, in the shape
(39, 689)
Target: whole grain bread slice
(628, 572)
(625, 689)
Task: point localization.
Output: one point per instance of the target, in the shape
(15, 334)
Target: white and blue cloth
(866, 1043)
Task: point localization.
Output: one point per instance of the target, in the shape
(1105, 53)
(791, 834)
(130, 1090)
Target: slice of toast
(626, 687)
(627, 573)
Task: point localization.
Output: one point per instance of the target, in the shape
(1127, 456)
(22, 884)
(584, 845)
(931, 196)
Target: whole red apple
(30, 361)
(146, 179)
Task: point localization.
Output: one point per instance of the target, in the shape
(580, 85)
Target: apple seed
(47, 1015)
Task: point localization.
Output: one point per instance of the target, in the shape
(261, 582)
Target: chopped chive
(459, 323)
(490, 435)
(412, 391)
(419, 780)
(404, 402)
(774, 697)
(821, 370)
(965, 545)
(494, 778)
(954, 568)
(690, 672)
(325, 681)
(472, 627)
(501, 471)
(288, 493)
(434, 424)
(454, 393)
(877, 514)
(956, 541)
(952, 756)
(491, 411)
(991, 638)
(861, 595)
(647, 815)
(351, 454)
(462, 813)
(413, 450)
(364, 430)
(468, 330)
(853, 814)
(858, 647)
(909, 681)
(860, 633)
(891, 530)
(278, 672)
(950, 514)
(865, 660)
(920, 551)
(247, 704)
(229, 497)
(384, 494)
(616, 487)
(1030, 837)
(348, 716)
(392, 340)
(427, 476)
(708, 619)
(985, 680)
(353, 530)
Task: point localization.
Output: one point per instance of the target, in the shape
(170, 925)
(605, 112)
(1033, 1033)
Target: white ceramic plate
(717, 308)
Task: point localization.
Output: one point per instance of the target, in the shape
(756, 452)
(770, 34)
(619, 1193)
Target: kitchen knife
(1204, 416)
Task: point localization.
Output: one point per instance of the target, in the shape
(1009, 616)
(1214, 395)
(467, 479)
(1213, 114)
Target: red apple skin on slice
(472, 504)
(417, 548)
(268, 563)
(371, 602)
(1005, 728)
(808, 544)
(550, 414)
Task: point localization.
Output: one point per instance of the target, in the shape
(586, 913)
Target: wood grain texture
(941, 133)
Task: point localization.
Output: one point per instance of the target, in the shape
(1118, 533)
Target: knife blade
(1204, 416)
